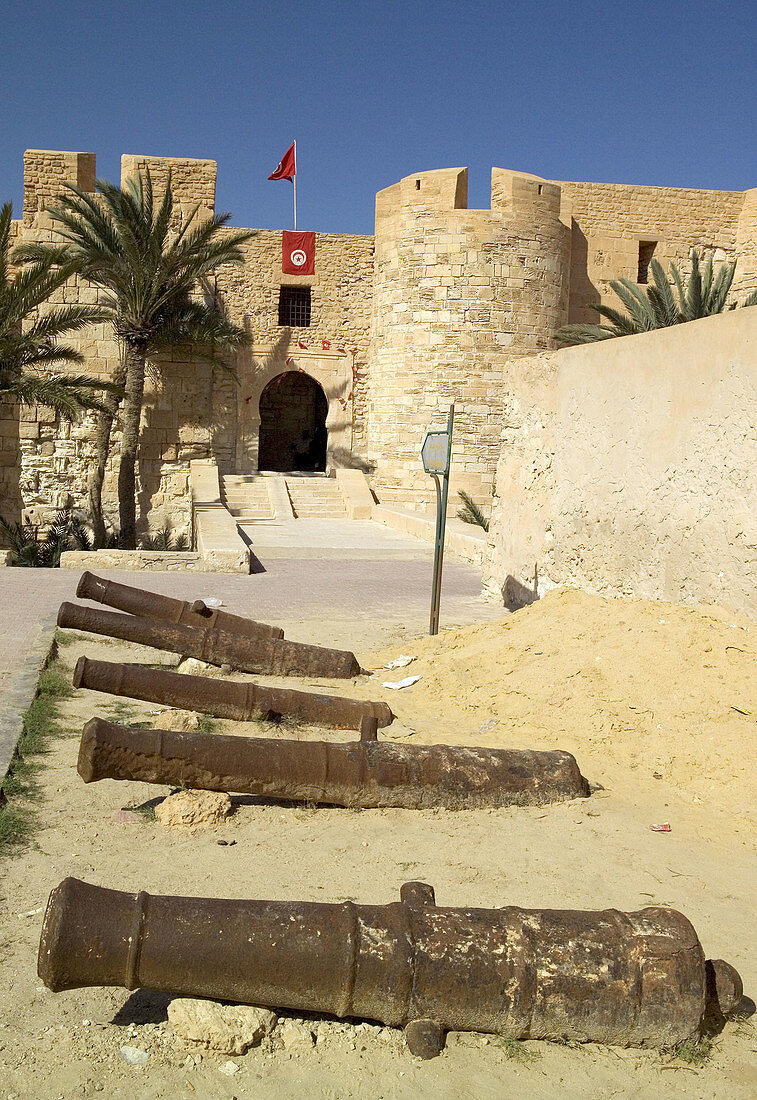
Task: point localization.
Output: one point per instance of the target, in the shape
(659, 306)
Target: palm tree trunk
(103, 429)
(135, 387)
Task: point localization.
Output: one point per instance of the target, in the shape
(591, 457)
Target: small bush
(164, 539)
(68, 531)
(516, 1051)
(694, 1051)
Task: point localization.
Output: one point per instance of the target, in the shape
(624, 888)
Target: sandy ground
(641, 693)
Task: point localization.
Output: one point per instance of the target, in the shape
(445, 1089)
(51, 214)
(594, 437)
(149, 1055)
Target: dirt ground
(641, 693)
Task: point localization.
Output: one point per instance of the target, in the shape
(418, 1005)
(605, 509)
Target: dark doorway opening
(293, 436)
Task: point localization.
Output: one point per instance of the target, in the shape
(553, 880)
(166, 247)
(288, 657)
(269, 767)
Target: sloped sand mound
(626, 685)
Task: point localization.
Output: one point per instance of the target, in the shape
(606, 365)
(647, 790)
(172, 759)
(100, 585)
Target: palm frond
(694, 300)
(704, 294)
(66, 395)
(21, 540)
(29, 339)
(636, 302)
(571, 335)
(164, 540)
(470, 512)
(720, 288)
(664, 300)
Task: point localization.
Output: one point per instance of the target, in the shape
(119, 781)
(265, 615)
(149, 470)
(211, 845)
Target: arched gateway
(293, 436)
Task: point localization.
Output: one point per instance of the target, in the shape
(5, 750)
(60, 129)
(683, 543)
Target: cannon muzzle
(137, 601)
(225, 698)
(629, 978)
(364, 773)
(217, 647)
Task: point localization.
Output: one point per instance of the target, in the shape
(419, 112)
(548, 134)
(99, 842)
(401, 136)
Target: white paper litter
(401, 683)
(399, 662)
(212, 601)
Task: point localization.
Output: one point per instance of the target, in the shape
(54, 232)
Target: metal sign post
(436, 454)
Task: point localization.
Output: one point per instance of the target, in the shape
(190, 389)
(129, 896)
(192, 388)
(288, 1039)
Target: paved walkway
(314, 598)
(332, 539)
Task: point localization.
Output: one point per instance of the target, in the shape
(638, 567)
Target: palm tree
(28, 337)
(148, 274)
(704, 295)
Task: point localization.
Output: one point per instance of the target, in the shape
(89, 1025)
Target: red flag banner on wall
(297, 253)
(287, 166)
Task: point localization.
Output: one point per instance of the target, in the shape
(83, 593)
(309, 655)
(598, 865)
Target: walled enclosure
(193, 411)
(445, 303)
(629, 467)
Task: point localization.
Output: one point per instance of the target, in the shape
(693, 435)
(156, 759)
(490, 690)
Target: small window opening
(294, 306)
(646, 252)
(417, 185)
(540, 187)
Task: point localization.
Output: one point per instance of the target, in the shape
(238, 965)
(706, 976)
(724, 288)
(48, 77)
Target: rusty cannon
(217, 647)
(225, 698)
(138, 601)
(364, 773)
(635, 979)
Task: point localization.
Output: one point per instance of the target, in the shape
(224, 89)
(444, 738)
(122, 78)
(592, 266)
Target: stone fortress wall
(445, 303)
(192, 410)
(457, 294)
(614, 228)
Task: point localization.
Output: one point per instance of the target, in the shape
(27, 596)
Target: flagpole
(294, 181)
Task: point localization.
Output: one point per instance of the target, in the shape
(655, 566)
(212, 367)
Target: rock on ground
(192, 666)
(190, 809)
(181, 721)
(296, 1036)
(229, 1029)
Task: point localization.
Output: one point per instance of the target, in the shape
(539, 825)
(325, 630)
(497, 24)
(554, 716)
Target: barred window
(294, 306)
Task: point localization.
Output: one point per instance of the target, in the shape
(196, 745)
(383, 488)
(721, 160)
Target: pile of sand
(634, 688)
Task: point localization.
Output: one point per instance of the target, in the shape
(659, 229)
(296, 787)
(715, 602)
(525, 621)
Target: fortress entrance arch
(293, 435)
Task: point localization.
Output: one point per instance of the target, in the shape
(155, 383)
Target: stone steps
(246, 496)
(315, 498)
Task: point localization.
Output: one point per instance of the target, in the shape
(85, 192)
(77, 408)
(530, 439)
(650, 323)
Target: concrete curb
(462, 539)
(17, 698)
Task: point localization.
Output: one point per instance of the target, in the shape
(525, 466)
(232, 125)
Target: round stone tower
(459, 295)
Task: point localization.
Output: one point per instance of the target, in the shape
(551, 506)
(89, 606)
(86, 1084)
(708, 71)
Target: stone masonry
(443, 304)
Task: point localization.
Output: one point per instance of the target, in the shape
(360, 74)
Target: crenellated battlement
(445, 190)
(442, 303)
(46, 173)
(193, 182)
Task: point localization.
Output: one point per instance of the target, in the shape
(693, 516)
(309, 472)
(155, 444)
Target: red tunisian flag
(287, 166)
(297, 253)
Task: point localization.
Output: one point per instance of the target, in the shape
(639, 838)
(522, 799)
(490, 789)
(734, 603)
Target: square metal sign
(435, 452)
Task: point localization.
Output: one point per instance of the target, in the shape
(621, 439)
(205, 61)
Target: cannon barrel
(225, 698)
(357, 774)
(216, 647)
(629, 978)
(137, 601)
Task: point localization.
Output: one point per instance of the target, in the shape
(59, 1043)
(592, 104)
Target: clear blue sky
(660, 93)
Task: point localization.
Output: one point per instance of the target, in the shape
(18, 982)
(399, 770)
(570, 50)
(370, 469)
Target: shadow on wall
(516, 595)
(11, 501)
(584, 295)
(346, 460)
